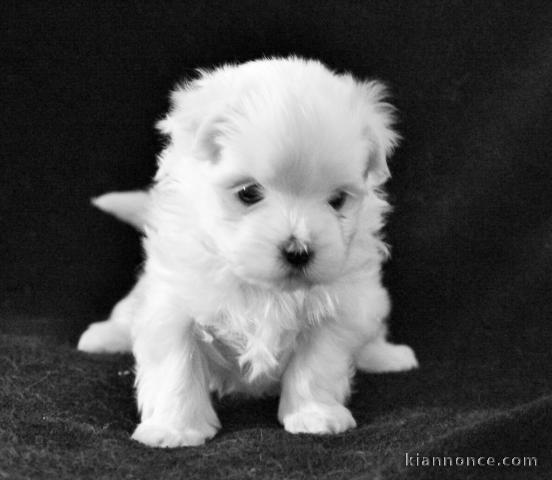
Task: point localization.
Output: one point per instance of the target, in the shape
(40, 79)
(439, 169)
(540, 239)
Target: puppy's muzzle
(296, 253)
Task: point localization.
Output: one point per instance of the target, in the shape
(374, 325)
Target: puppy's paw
(158, 435)
(380, 357)
(105, 337)
(319, 419)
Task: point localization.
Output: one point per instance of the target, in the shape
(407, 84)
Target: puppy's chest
(254, 349)
(254, 336)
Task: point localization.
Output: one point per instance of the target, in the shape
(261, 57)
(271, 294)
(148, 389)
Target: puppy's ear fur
(203, 136)
(207, 142)
(379, 117)
(189, 105)
(195, 119)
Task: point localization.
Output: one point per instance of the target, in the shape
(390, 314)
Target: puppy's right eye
(250, 194)
(338, 199)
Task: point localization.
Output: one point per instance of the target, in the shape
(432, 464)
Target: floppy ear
(207, 142)
(379, 117)
(187, 108)
(195, 121)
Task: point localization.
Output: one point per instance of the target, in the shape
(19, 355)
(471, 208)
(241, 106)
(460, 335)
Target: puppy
(263, 251)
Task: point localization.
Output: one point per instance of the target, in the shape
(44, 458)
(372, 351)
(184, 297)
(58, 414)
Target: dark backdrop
(471, 234)
(83, 83)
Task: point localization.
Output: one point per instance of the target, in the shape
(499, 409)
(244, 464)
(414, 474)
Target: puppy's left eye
(250, 194)
(338, 199)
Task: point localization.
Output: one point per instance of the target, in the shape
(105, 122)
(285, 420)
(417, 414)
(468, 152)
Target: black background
(82, 84)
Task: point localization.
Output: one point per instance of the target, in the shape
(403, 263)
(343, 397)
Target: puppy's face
(284, 191)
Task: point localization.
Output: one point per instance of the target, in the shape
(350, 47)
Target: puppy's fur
(263, 251)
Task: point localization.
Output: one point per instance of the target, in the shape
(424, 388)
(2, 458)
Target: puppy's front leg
(316, 384)
(172, 388)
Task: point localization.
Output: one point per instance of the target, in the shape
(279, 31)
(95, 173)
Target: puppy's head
(287, 164)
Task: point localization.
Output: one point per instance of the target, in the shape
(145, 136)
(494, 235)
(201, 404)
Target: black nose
(296, 254)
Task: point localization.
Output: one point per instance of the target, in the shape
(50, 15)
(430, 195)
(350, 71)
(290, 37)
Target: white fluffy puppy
(263, 251)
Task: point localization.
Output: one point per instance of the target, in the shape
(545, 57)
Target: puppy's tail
(130, 207)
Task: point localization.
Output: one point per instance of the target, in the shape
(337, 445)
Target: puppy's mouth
(296, 279)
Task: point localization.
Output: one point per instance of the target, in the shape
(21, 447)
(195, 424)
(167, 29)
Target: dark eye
(337, 200)
(250, 194)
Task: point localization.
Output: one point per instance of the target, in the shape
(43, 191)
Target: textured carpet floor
(64, 414)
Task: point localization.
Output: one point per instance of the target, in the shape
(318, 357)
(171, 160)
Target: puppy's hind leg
(113, 334)
(368, 306)
(380, 356)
